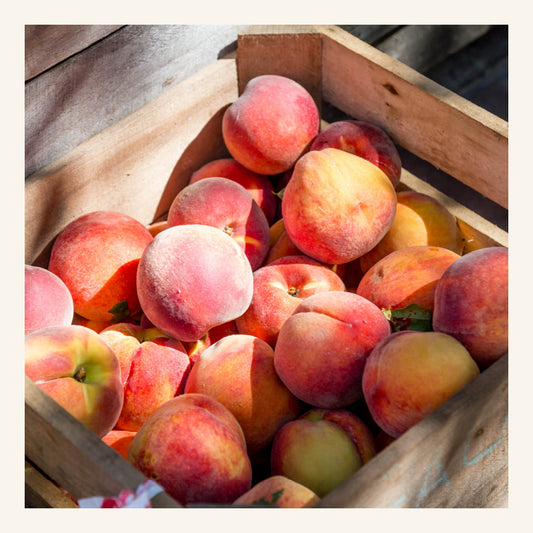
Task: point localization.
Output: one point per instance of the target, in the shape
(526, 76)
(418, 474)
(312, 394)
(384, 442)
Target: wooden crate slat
(72, 455)
(46, 45)
(437, 125)
(456, 457)
(292, 51)
(137, 165)
(41, 492)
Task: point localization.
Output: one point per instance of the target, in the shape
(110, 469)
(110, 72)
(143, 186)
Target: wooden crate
(455, 457)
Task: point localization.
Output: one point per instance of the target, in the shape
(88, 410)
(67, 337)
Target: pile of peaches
(292, 315)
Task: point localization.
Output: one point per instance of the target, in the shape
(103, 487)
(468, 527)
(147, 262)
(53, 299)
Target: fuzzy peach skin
(259, 186)
(95, 325)
(364, 139)
(406, 276)
(47, 300)
(192, 278)
(420, 220)
(278, 491)
(238, 371)
(317, 454)
(75, 366)
(271, 124)
(97, 255)
(154, 368)
(472, 303)
(194, 448)
(322, 347)
(228, 206)
(279, 287)
(353, 425)
(119, 440)
(410, 373)
(337, 206)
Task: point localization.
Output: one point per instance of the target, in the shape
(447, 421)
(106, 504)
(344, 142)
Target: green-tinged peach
(75, 366)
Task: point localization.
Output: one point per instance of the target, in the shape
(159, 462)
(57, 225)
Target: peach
(471, 303)
(317, 454)
(95, 325)
(96, 255)
(258, 185)
(47, 300)
(410, 373)
(119, 440)
(270, 124)
(283, 247)
(364, 139)
(154, 368)
(279, 287)
(75, 366)
(322, 347)
(194, 448)
(195, 348)
(192, 278)
(278, 491)
(352, 425)
(420, 220)
(228, 206)
(337, 206)
(406, 276)
(156, 227)
(238, 371)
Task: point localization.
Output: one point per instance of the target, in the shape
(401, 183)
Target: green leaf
(279, 194)
(412, 318)
(275, 497)
(120, 311)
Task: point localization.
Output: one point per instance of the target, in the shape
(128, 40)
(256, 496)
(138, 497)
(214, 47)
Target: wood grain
(137, 165)
(94, 89)
(456, 457)
(450, 132)
(47, 45)
(73, 456)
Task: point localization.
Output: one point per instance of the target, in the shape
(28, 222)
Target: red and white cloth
(126, 499)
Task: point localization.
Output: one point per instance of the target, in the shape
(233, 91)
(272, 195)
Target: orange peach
(420, 220)
(47, 300)
(411, 373)
(119, 440)
(279, 287)
(154, 368)
(337, 206)
(472, 303)
(283, 247)
(156, 227)
(228, 206)
(238, 371)
(195, 348)
(75, 366)
(278, 491)
(192, 278)
(96, 255)
(322, 347)
(194, 448)
(364, 139)
(270, 124)
(259, 186)
(406, 276)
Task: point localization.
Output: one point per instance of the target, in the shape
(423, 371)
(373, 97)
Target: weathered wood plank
(80, 97)
(456, 457)
(47, 45)
(41, 492)
(293, 51)
(137, 165)
(73, 456)
(453, 134)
